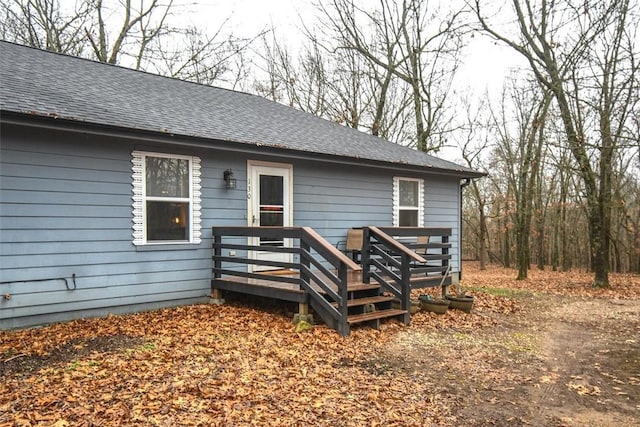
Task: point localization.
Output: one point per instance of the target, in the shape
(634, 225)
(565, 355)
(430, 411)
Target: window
(408, 202)
(166, 198)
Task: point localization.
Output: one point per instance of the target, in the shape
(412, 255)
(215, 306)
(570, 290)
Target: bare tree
(43, 24)
(301, 81)
(520, 123)
(411, 41)
(475, 137)
(340, 85)
(139, 27)
(135, 34)
(560, 40)
(194, 55)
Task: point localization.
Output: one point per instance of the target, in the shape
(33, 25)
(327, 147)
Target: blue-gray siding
(65, 209)
(333, 198)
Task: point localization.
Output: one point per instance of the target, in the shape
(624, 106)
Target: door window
(271, 205)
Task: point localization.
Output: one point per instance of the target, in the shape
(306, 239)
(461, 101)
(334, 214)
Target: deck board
(270, 287)
(281, 291)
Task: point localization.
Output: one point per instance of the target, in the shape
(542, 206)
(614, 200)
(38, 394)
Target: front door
(269, 193)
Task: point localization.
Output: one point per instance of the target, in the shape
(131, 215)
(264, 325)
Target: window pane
(408, 218)
(271, 206)
(271, 218)
(271, 190)
(167, 221)
(167, 177)
(409, 193)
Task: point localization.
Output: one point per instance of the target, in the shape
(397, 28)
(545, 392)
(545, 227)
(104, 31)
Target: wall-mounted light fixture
(230, 181)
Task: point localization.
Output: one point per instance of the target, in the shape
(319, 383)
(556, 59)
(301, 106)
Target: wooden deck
(293, 292)
(317, 275)
(278, 289)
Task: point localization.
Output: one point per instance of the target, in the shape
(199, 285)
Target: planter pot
(413, 308)
(461, 303)
(438, 306)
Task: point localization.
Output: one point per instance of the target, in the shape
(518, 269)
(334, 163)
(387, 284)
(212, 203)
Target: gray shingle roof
(37, 82)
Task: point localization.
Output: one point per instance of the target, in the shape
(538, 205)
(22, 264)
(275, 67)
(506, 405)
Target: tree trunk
(541, 253)
(483, 238)
(596, 210)
(506, 251)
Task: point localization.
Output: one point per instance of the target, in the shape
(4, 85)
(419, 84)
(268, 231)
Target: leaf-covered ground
(546, 351)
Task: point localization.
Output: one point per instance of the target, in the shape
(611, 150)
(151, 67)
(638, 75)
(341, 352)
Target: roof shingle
(33, 81)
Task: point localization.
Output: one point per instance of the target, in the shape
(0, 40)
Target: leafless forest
(561, 144)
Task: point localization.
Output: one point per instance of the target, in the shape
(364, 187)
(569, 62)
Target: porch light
(230, 181)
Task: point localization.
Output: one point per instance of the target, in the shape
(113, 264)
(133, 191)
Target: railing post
(343, 326)
(445, 264)
(366, 255)
(305, 248)
(217, 253)
(216, 294)
(406, 286)
(303, 307)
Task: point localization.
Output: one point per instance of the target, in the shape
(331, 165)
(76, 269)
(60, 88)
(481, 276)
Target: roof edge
(55, 122)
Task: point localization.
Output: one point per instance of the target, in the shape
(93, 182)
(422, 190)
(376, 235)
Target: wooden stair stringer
(366, 304)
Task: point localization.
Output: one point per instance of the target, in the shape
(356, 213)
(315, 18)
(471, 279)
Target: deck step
(364, 301)
(355, 287)
(380, 314)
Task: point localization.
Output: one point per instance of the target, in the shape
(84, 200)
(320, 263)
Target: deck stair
(366, 305)
(314, 273)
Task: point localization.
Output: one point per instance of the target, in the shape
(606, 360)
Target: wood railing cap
(332, 249)
(396, 245)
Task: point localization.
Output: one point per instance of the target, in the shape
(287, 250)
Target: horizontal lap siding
(441, 209)
(66, 209)
(332, 199)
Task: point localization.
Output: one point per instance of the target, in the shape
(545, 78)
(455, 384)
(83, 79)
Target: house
(113, 182)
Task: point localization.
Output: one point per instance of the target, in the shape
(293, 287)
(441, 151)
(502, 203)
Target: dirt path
(579, 366)
(591, 350)
(560, 361)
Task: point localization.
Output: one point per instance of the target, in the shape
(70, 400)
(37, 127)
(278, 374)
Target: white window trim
(396, 200)
(139, 199)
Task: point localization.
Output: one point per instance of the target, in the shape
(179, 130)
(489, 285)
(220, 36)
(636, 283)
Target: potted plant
(461, 302)
(438, 306)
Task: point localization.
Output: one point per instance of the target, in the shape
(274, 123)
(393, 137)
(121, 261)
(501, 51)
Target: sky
(485, 64)
(249, 16)
(484, 68)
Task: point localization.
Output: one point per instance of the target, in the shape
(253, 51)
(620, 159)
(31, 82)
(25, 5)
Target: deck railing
(405, 258)
(309, 254)
(399, 259)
